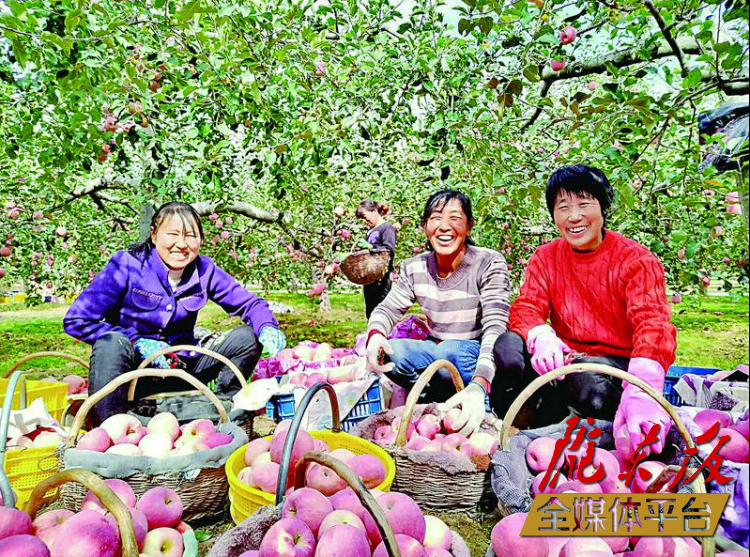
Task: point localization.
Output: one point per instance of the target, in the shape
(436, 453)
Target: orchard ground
(712, 332)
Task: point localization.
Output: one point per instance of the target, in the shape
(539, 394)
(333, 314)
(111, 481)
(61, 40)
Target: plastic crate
(673, 376)
(54, 395)
(281, 407)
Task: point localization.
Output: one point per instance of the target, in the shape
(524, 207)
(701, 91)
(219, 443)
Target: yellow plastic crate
(54, 395)
(27, 467)
(245, 500)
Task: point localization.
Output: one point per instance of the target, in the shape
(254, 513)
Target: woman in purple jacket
(148, 297)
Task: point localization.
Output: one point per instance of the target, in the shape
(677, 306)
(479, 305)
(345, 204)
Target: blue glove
(273, 341)
(146, 346)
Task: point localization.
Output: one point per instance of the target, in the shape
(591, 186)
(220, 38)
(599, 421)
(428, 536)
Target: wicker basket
(708, 544)
(246, 421)
(90, 481)
(202, 496)
(231, 544)
(432, 487)
(363, 267)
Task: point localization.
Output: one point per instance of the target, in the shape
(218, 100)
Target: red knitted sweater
(612, 301)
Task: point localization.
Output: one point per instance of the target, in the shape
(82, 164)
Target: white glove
(375, 345)
(471, 401)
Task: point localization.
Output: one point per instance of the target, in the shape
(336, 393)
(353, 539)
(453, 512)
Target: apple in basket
(288, 537)
(369, 469)
(576, 547)
(163, 542)
(125, 449)
(45, 526)
(24, 545)
(428, 426)
(342, 374)
(344, 455)
(86, 534)
(403, 514)
(408, 546)
(140, 525)
(410, 429)
(324, 479)
(341, 517)
(539, 453)
(255, 448)
(265, 476)
(352, 539)
(164, 422)
(156, 445)
(121, 488)
(437, 533)
(123, 428)
(308, 505)
(76, 384)
(47, 439)
(162, 507)
(195, 433)
(453, 422)
(507, 541)
(13, 522)
(97, 440)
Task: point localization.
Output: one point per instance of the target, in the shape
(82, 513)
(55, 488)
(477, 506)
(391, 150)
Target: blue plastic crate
(673, 375)
(281, 407)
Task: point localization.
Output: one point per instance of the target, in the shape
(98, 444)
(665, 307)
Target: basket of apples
(354, 522)
(111, 522)
(240, 417)
(539, 453)
(188, 459)
(439, 467)
(258, 470)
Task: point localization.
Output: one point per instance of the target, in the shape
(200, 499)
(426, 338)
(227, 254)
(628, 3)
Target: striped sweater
(471, 304)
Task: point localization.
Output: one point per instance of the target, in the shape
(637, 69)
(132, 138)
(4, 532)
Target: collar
(455, 278)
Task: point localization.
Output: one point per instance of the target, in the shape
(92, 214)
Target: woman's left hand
(471, 401)
(273, 340)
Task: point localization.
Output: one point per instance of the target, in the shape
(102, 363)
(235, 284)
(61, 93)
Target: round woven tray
(708, 544)
(363, 267)
(202, 496)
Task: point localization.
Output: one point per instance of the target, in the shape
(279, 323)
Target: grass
(712, 332)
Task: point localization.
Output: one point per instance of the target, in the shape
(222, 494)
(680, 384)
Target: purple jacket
(132, 295)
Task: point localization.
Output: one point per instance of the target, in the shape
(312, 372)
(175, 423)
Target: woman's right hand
(377, 345)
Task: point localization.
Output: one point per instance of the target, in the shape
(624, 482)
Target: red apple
(369, 469)
(256, 448)
(568, 34)
(324, 480)
(162, 507)
(506, 539)
(336, 518)
(13, 522)
(86, 534)
(666, 547)
(163, 542)
(539, 453)
(309, 505)
(408, 547)
(24, 545)
(121, 488)
(437, 533)
(557, 65)
(581, 546)
(289, 537)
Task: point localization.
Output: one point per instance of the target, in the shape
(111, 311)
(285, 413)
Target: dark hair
(185, 211)
(583, 181)
(370, 205)
(438, 200)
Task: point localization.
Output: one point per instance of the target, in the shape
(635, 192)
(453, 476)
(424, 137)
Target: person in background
(382, 237)
(147, 298)
(463, 291)
(605, 298)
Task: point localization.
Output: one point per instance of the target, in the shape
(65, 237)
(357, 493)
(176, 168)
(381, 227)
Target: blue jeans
(412, 357)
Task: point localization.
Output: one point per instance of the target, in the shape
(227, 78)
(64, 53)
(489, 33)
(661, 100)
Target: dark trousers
(376, 293)
(113, 354)
(590, 395)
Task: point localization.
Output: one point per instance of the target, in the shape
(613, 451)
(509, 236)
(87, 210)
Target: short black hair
(187, 213)
(438, 200)
(583, 181)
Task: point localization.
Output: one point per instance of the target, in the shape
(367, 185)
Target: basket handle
(291, 436)
(105, 494)
(185, 348)
(708, 544)
(416, 390)
(110, 387)
(367, 499)
(35, 355)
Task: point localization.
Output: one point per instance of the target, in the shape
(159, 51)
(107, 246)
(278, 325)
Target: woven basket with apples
(188, 459)
(111, 523)
(505, 538)
(440, 468)
(353, 522)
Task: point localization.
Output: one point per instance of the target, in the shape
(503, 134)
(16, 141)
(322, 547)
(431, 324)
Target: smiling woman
(147, 299)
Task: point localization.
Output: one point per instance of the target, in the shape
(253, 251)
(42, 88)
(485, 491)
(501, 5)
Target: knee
(244, 336)
(113, 343)
(509, 352)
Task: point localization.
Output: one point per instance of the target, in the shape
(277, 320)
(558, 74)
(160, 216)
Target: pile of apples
(309, 363)
(431, 434)
(737, 448)
(313, 525)
(507, 542)
(263, 457)
(93, 532)
(162, 437)
(40, 437)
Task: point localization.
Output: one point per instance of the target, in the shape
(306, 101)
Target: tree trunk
(325, 301)
(145, 214)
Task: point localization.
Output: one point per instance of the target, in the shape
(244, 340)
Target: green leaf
(71, 21)
(465, 26)
(19, 52)
(255, 92)
(531, 73)
(186, 13)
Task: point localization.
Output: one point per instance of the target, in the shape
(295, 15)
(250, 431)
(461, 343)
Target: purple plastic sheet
(412, 328)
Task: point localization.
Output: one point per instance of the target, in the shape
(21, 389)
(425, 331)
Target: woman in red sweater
(604, 296)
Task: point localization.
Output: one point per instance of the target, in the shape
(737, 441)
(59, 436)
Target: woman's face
(371, 218)
(177, 242)
(447, 229)
(579, 221)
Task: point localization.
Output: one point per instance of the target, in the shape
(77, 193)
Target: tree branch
(240, 208)
(667, 35)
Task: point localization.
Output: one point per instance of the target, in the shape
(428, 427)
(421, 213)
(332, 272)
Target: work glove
(273, 341)
(638, 412)
(471, 401)
(547, 350)
(377, 349)
(145, 347)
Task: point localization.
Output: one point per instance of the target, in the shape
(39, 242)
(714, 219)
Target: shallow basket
(363, 267)
(432, 487)
(203, 494)
(245, 500)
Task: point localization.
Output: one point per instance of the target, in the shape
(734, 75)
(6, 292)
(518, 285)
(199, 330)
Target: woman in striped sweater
(463, 291)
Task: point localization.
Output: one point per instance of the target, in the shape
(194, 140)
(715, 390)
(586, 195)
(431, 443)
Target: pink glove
(546, 349)
(638, 412)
